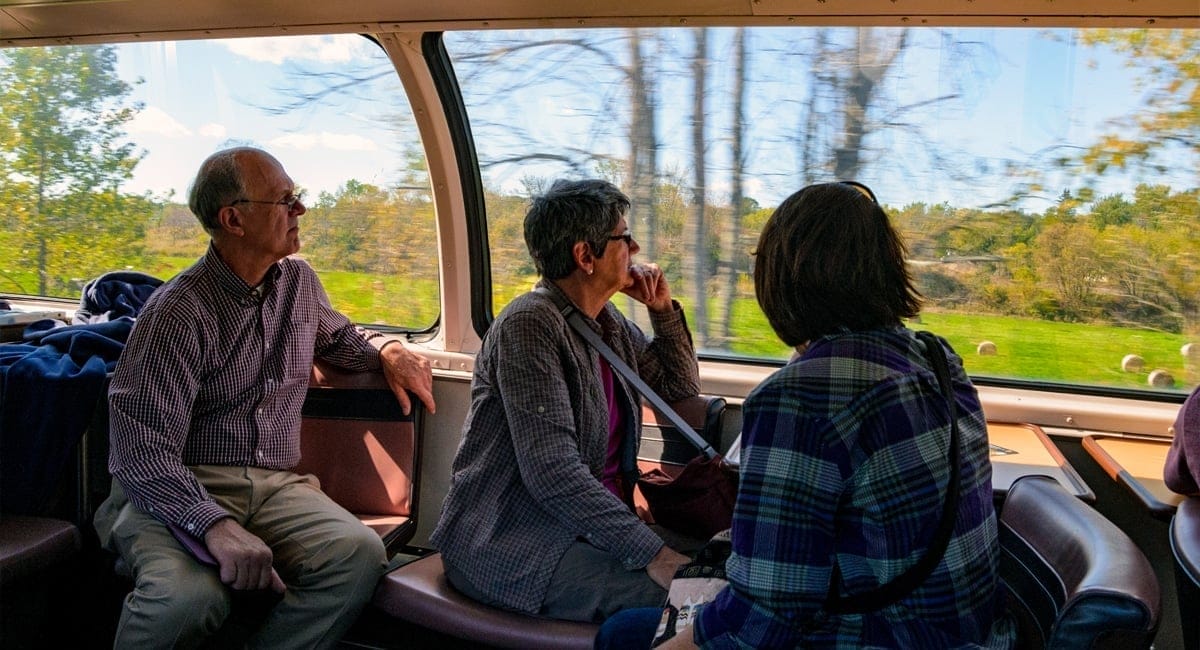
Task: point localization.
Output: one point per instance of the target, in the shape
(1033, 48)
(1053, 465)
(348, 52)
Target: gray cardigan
(526, 478)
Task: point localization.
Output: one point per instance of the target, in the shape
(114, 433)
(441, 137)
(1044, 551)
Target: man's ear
(231, 220)
(584, 259)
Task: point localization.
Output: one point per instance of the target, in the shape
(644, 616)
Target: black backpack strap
(906, 582)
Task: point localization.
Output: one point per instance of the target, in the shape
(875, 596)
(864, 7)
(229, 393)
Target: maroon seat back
(364, 450)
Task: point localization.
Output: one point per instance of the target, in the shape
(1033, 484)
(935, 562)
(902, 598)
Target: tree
(695, 264)
(643, 142)
(874, 56)
(732, 252)
(854, 103)
(62, 161)
(1168, 63)
(1067, 256)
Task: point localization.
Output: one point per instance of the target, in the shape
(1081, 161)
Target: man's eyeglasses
(289, 201)
(627, 236)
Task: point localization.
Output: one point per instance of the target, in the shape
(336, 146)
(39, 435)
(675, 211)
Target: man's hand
(649, 287)
(662, 568)
(405, 371)
(245, 560)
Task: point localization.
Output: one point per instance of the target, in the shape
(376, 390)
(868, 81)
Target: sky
(200, 96)
(1038, 88)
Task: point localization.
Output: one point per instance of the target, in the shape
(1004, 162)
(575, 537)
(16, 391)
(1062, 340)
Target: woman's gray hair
(570, 212)
(217, 185)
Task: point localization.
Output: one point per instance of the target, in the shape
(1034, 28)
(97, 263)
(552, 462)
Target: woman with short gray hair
(539, 517)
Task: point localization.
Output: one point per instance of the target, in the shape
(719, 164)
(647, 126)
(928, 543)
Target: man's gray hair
(217, 184)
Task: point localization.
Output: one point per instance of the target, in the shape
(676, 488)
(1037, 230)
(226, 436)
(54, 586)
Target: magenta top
(612, 461)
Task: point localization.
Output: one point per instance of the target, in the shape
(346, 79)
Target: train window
(98, 145)
(1045, 179)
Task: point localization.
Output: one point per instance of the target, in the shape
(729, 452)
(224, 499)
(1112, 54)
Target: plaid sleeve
(782, 529)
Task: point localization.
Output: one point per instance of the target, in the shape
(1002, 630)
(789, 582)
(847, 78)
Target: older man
(205, 421)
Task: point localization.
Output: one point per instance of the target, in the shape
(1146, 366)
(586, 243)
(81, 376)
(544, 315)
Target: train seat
(365, 467)
(419, 593)
(39, 571)
(1185, 547)
(30, 545)
(1074, 580)
(363, 449)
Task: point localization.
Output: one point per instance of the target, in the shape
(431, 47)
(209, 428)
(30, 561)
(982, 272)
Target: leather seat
(30, 545)
(1074, 579)
(1185, 547)
(419, 593)
(39, 578)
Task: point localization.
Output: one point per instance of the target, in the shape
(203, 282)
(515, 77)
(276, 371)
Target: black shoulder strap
(906, 582)
(575, 320)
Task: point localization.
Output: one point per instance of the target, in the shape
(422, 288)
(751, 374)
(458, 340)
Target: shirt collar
(603, 321)
(233, 284)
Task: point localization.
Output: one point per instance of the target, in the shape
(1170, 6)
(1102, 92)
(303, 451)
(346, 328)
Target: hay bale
(1133, 363)
(1190, 352)
(1160, 379)
(986, 348)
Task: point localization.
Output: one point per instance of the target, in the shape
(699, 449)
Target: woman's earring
(589, 271)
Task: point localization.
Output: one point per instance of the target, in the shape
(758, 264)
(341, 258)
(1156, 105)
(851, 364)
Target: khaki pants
(329, 560)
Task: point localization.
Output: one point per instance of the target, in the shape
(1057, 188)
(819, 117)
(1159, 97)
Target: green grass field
(1026, 348)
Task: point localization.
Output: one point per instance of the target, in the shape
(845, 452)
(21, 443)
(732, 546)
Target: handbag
(698, 502)
(694, 585)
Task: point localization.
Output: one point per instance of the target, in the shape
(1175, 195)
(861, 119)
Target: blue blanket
(113, 295)
(49, 386)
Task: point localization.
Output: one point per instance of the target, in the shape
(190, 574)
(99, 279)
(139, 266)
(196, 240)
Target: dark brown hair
(828, 260)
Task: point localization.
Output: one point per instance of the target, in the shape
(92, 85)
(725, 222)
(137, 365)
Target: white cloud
(154, 120)
(212, 130)
(324, 139)
(325, 49)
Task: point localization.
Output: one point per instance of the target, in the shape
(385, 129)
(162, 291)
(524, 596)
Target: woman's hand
(664, 564)
(649, 287)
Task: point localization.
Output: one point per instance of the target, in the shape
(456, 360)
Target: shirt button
(541, 409)
(259, 454)
(259, 411)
